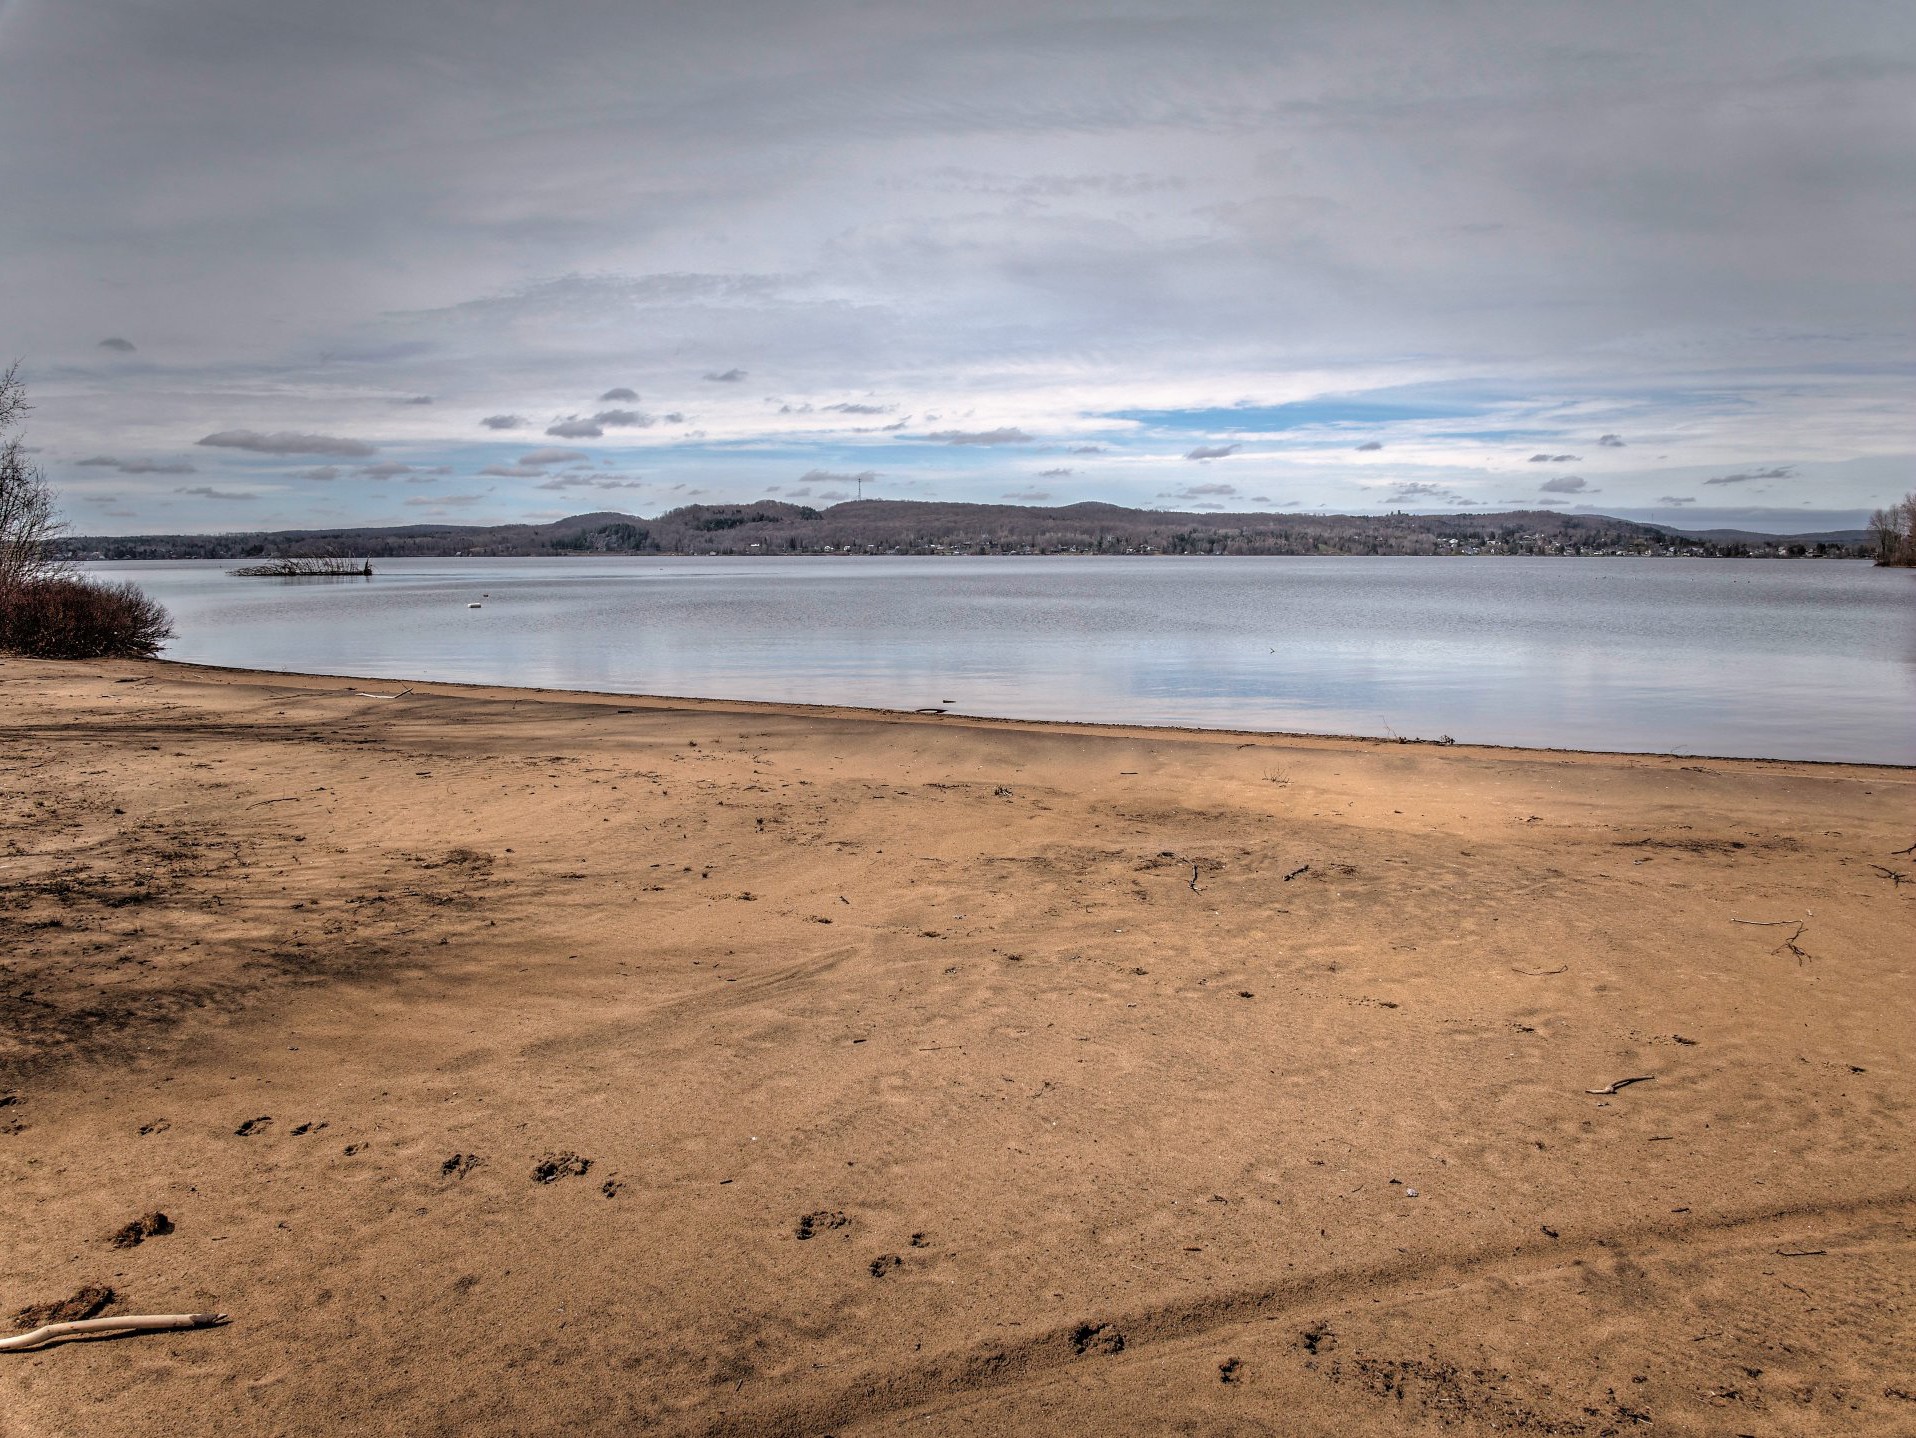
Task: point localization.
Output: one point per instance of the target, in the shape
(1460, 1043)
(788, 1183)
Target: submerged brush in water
(307, 569)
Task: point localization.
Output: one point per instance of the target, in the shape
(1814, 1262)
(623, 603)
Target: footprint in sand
(555, 1166)
(813, 1224)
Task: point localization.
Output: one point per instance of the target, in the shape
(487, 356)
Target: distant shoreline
(902, 527)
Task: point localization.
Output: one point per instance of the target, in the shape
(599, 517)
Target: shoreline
(566, 1063)
(800, 709)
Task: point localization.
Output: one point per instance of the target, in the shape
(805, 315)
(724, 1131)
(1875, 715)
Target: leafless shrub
(44, 610)
(66, 618)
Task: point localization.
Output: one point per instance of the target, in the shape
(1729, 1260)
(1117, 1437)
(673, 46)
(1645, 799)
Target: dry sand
(937, 1076)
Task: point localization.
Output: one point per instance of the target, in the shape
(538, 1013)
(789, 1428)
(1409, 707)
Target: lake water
(1781, 659)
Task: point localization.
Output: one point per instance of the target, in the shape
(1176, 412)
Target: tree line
(1893, 530)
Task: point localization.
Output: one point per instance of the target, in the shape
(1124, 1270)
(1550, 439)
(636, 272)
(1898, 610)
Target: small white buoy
(472, 606)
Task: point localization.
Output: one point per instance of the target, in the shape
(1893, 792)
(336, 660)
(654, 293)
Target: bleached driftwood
(131, 1323)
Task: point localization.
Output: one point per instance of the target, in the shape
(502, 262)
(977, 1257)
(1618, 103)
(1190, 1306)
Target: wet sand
(535, 1063)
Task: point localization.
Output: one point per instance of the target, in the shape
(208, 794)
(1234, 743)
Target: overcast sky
(271, 265)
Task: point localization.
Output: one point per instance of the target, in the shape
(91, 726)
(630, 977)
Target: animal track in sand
(1096, 1338)
(819, 1222)
(147, 1225)
(555, 1166)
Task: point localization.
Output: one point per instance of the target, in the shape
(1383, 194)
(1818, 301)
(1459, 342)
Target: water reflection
(1778, 659)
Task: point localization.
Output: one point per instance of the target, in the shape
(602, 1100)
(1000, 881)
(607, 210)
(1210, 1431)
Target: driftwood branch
(132, 1323)
(1540, 973)
(1620, 1084)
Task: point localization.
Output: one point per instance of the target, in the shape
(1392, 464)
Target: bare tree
(1894, 531)
(27, 519)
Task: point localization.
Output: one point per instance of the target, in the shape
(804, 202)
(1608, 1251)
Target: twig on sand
(1300, 869)
(1194, 878)
(1894, 853)
(1790, 944)
(1539, 973)
(1620, 1084)
(1898, 879)
(368, 694)
(1801, 1252)
(132, 1323)
(1766, 923)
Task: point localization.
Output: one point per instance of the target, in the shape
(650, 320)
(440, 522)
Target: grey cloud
(323, 473)
(592, 481)
(553, 456)
(617, 394)
(1554, 458)
(288, 442)
(1086, 449)
(827, 476)
(513, 471)
(1028, 496)
(385, 469)
(623, 419)
(1056, 473)
(1213, 451)
(1781, 471)
(415, 399)
(1009, 435)
(445, 501)
(1369, 444)
(1421, 489)
(575, 429)
(204, 491)
(858, 409)
(675, 418)
(114, 342)
(138, 466)
(730, 376)
(503, 421)
(1568, 484)
(157, 466)
(1676, 499)
(1202, 491)
(1610, 441)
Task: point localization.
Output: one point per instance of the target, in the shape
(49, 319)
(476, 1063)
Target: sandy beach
(517, 1062)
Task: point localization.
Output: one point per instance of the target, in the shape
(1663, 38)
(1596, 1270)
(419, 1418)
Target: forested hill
(887, 526)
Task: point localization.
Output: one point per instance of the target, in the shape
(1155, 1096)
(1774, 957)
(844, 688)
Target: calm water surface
(1804, 660)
